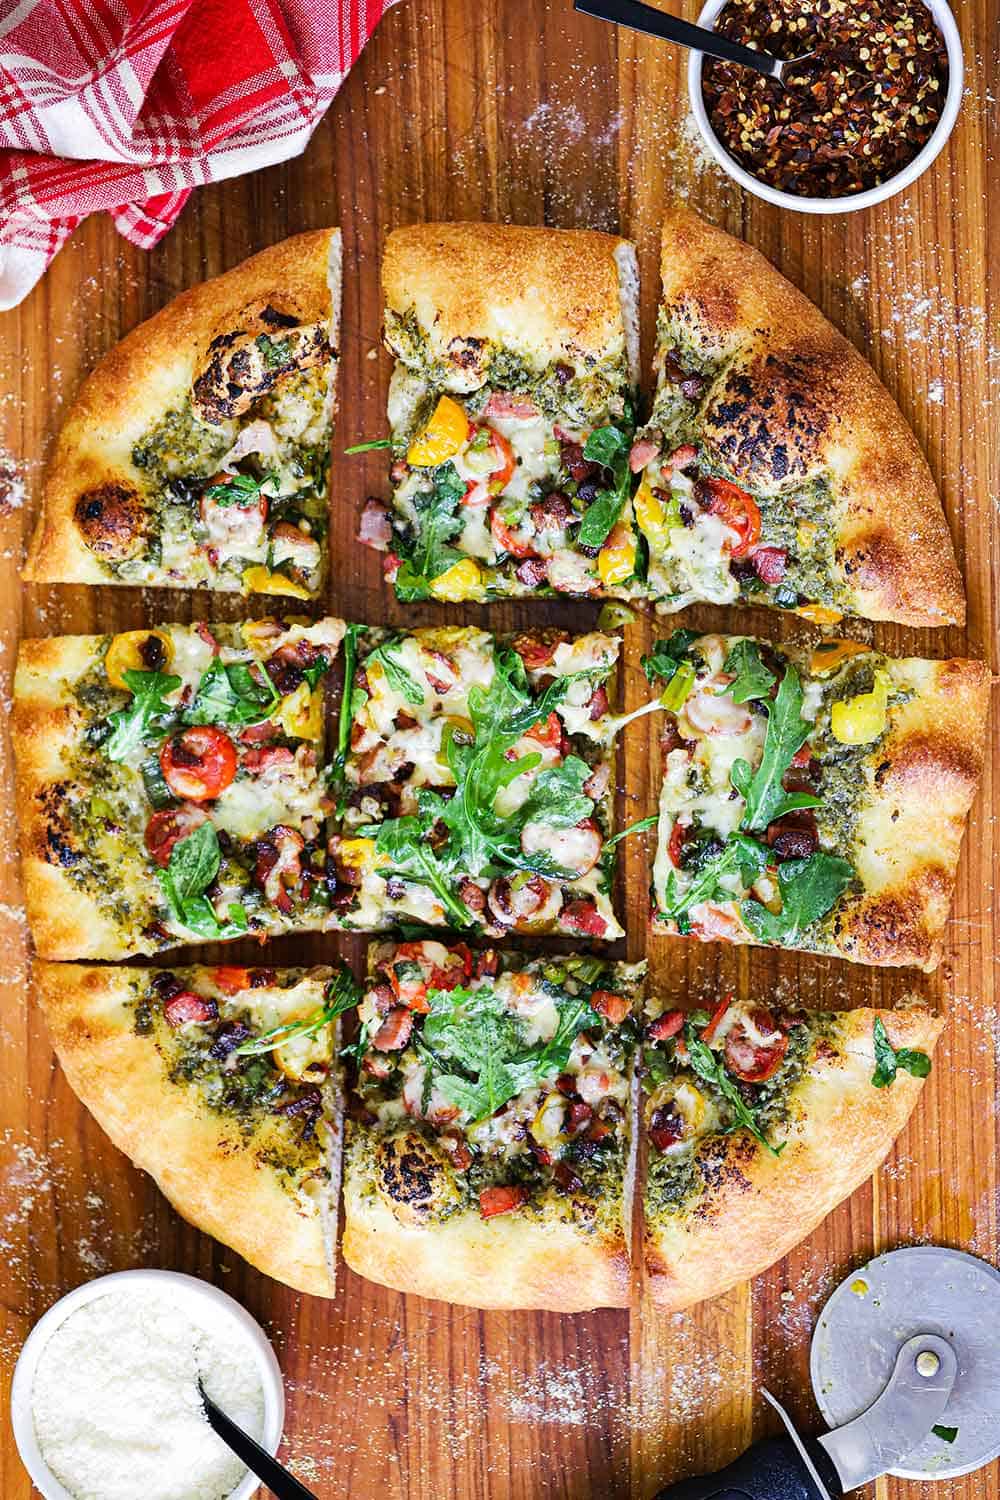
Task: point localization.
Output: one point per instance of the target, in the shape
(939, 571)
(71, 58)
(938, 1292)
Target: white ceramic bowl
(188, 1287)
(852, 201)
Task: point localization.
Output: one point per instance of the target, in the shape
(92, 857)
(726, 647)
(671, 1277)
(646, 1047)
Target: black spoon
(645, 18)
(267, 1469)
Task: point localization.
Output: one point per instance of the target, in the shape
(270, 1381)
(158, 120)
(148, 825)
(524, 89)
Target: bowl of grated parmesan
(105, 1401)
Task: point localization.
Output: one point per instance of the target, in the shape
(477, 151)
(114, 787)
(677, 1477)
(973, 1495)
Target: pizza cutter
(905, 1365)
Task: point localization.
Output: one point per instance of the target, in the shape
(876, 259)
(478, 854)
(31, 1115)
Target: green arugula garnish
(666, 656)
(609, 447)
(194, 864)
(946, 1434)
(809, 888)
(343, 993)
(712, 1070)
(438, 523)
(752, 679)
(351, 701)
(229, 693)
(399, 679)
(404, 843)
(240, 489)
(146, 717)
(888, 1061)
(787, 731)
(638, 827)
(742, 857)
(370, 447)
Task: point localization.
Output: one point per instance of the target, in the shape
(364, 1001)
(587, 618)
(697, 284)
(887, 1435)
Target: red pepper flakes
(854, 114)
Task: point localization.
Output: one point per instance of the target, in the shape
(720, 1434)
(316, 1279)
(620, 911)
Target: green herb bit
(369, 447)
(146, 717)
(230, 694)
(712, 1071)
(608, 446)
(809, 888)
(742, 856)
(639, 827)
(888, 1061)
(241, 489)
(666, 656)
(193, 865)
(438, 523)
(787, 731)
(399, 679)
(752, 680)
(946, 1434)
(343, 993)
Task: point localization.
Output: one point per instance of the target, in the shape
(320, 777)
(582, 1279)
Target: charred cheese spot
(723, 1163)
(413, 1178)
(113, 521)
(244, 363)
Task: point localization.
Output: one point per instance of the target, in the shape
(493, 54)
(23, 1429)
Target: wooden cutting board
(524, 111)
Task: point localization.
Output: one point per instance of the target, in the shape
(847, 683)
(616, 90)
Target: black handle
(257, 1459)
(771, 1470)
(645, 18)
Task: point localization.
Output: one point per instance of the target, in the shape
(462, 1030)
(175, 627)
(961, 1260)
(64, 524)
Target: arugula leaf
(946, 1434)
(438, 522)
(146, 717)
(609, 447)
(712, 1071)
(606, 446)
(343, 993)
(399, 679)
(194, 864)
(888, 1061)
(809, 888)
(240, 489)
(370, 447)
(350, 704)
(787, 731)
(230, 694)
(404, 844)
(752, 679)
(741, 856)
(666, 656)
(638, 827)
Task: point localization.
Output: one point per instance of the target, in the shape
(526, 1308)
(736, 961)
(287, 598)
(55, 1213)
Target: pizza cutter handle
(771, 1470)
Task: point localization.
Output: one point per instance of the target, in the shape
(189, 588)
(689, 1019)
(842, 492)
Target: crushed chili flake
(852, 115)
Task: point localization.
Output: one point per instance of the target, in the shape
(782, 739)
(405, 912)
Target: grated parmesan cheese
(115, 1398)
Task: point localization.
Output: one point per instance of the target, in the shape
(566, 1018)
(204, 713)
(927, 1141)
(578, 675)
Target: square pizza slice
(488, 1155)
(197, 452)
(224, 1084)
(169, 784)
(511, 410)
(477, 782)
(814, 799)
(758, 1120)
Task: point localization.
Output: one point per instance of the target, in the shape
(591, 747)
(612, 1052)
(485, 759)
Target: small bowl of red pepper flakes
(858, 120)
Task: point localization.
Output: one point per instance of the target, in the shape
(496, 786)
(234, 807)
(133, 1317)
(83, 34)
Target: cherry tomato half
(736, 508)
(507, 540)
(199, 763)
(166, 827)
(506, 463)
(753, 1060)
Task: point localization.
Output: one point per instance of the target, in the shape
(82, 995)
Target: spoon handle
(640, 17)
(259, 1462)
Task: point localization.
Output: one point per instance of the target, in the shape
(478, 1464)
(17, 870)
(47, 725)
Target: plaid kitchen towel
(126, 105)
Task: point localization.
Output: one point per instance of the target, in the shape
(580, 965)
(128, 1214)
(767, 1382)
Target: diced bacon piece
(680, 458)
(612, 1007)
(583, 917)
(769, 563)
(394, 1033)
(187, 1007)
(533, 572)
(500, 1200)
(267, 758)
(504, 404)
(375, 525)
(671, 1023)
(255, 437)
(598, 704)
(642, 453)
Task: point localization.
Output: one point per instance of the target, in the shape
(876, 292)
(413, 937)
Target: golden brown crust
(546, 294)
(150, 372)
(795, 400)
(754, 1207)
(218, 1180)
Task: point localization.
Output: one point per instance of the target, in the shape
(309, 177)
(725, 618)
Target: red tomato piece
(199, 763)
(751, 1060)
(612, 1007)
(717, 1017)
(736, 508)
(505, 465)
(500, 1200)
(676, 845)
(506, 539)
(548, 734)
(583, 916)
(169, 825)
(671, 1023)
(537, 651)
(231, 979)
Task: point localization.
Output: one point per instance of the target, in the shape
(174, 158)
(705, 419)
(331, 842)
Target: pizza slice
(222, 1083)
(776, 469)
(488, 1156)
(477, 782)
(197, 452)
(814, 800)
(758, 1122)
(511, 410)
(169, 785)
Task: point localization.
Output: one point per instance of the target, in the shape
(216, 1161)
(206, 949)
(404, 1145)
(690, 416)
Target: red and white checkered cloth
(126, 105)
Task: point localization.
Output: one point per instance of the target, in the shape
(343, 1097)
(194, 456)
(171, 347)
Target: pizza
(758, 1122)
(224, 1084)
(197, 452)
(488, 1158)
(814, 800)
(775, 468)
(477, 782)
(170, 786)
(511, 410)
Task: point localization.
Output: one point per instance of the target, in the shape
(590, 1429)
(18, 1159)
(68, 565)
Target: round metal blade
(919, 1289)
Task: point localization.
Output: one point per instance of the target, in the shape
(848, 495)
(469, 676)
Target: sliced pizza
(814, 800)
(169, 785)
(488, 1157)
(477, 782)
(223, 1083)
(758, 1122)
(197, 452)
(776, 469)
(511, 409)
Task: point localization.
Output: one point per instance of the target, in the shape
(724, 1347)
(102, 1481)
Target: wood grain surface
(518, 110)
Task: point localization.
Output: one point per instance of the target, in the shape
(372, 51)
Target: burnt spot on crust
(926, 762)
(412, 1177)
(723, 1162)
(769, 420)
(875, 563)
(899, 926)
(113, 521)
(243, 364)
(57, 848)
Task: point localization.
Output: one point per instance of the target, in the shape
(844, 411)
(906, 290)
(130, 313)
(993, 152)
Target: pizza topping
(167, 826)
(755, 1047)
(188, 1007)
(375, 525)
(199, 763)
(501, 1200)
(113, 521)
(138, 651)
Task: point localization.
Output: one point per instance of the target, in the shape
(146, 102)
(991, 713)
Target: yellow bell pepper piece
(831, 655)
(356, 853)
(547, 1126)
(301, 713)
(860, 720)
(820, 614)
(651, 516)
(259, 580)
(463, 580)
(805, 535)
(616, 559)
(445, 433)
(125, 655)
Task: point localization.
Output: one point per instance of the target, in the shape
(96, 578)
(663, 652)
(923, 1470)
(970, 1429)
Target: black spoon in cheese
(267, 1469)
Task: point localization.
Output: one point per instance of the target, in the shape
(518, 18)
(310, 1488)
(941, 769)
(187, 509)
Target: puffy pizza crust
(150, 372)
(795, 400)
(214, 1176)
(754, 1207)
(545, 294)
